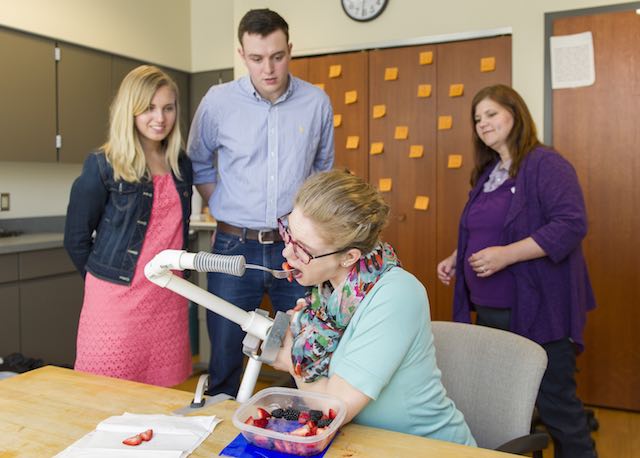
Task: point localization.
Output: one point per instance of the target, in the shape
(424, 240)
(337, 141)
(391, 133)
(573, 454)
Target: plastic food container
(270, 399)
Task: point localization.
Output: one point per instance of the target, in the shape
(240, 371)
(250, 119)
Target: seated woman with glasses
(363, 333)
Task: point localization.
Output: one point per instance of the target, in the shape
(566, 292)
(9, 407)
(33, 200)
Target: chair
(493, 377)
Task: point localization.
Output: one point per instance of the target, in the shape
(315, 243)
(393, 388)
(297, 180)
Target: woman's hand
(283, 360)
(446, 268)
(490, 260)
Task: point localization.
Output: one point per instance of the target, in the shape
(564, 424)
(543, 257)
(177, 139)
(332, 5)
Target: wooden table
(45, 410)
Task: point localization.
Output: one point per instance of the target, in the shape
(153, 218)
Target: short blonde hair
(123, 148)
(348, 211)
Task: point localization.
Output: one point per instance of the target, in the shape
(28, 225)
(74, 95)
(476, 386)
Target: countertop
(31, 242)
(47, 240)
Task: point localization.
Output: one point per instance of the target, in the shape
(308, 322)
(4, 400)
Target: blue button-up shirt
(258, 153)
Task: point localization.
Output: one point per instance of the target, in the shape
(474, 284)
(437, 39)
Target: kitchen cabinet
(41, 301)
(43, 98)
(84, 95)
(28, 98)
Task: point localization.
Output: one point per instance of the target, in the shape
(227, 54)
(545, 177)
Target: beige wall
(212, 34)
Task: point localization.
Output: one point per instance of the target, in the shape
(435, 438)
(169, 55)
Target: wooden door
(596, 128)
(344, 78)
(463, 68)
(402, 151)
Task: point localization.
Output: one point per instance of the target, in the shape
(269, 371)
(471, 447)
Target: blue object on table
(241, 448)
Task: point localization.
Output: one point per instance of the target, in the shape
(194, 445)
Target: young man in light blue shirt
(253, 142)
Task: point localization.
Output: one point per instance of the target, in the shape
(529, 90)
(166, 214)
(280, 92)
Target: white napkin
(173, 437)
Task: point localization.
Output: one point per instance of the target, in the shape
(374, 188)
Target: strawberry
(301, 431)
(146, 435)
(249, 421)
(286, 266)
(312, 428)
(133, 440)
(263, 414)
(320, 430)
(332, 414)
(260, 422)
(303, 417)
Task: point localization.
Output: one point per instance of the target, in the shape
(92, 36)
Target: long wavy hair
(123, 148)
(520, 141)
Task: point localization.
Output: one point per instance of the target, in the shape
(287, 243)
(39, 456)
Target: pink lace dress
(139, 332)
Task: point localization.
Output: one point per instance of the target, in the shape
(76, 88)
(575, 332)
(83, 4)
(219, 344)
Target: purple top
(485, 220)
(553, 293)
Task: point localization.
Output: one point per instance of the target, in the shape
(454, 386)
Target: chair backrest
(493, 377)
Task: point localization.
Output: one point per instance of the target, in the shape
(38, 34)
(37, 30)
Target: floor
(617, 437)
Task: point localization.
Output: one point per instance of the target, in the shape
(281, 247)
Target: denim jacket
(118, 212)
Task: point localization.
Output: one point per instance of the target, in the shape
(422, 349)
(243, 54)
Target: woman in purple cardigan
(519, 262)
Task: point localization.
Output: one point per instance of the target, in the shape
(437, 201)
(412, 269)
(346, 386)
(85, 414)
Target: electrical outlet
(4, 202)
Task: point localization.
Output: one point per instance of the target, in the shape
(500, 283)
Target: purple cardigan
(553, 293)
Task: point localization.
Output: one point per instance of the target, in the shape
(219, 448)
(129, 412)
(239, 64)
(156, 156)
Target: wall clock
(363, 10)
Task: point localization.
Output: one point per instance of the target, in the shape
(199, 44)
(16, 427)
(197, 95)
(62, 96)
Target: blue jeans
(246, 292)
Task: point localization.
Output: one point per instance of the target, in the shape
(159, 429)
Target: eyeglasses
(302, 254)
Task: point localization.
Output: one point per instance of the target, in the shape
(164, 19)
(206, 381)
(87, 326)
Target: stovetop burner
(6, 233)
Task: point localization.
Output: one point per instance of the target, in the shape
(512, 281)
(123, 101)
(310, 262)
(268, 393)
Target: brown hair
(262, 22)
(522, 138)
(348, 211)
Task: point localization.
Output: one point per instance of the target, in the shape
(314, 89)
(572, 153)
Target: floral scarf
(318, 327)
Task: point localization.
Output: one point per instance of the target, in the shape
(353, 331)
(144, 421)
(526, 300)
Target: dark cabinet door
(49, 314)
(84, 90)
(27, 98)
(9, 319)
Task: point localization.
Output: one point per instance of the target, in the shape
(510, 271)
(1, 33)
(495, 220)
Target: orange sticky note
(391, 73)
(416, 151)
(421, 203)
(337, 120)
(353, 141)
(445, 122)
(487, 64)
(384, 184)
(350, 97)
(379, 111)
(320, 85)
(454, 161)
(426, 58)
(376, 148)
(456, 90)
(424, 90)
(401, 133)
(335, 71)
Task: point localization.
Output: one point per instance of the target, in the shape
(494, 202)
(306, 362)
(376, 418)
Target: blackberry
(277, 413)
(291, 414)
(324, 422)
(315, 415)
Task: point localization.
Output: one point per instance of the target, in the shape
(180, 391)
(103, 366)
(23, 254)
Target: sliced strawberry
(260, 422)
(312, 428)
(249, 421)
(263, 413)
(286, 266)
(320, 430)
(303, 417)
(147, 435)
(332, 414)
(301, 431)
(133, 440)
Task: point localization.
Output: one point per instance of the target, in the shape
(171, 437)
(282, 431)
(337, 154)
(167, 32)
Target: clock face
(364, 10)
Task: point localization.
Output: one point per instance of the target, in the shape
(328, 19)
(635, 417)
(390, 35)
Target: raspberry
(315, 415)
(277, 413)
(291, 414)
(324, 422)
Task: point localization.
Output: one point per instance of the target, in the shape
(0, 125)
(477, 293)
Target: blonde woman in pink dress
(131, 201)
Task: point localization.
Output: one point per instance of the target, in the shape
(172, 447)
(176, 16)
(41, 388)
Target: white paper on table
(173, 437)
(572, 61)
